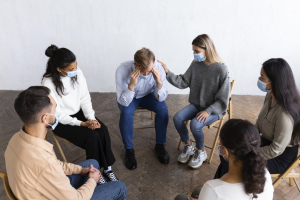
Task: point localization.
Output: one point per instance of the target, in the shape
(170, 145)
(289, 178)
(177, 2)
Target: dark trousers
(275, 166)
(96, 142)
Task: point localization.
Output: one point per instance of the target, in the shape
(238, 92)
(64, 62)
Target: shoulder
(158, 66)
(285, 118)
(125, 66)
(47, 81)
(221, 68)
(80, 75)
(214, 183)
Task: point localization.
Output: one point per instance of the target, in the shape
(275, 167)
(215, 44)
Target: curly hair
(243, 140)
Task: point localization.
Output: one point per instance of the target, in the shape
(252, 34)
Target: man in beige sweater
(32, 167)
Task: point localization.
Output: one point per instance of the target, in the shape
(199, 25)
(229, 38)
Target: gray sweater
(209, 86)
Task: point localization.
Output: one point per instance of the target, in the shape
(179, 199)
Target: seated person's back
(218, 189)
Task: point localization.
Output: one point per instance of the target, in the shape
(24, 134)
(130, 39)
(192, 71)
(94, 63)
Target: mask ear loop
(46, 122)
(65, 72)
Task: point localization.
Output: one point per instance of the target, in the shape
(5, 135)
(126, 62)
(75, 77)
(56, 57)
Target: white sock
(108, 169)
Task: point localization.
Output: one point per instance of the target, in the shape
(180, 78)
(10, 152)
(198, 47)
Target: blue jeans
(148, 102)
(111, 190)
(189, 113)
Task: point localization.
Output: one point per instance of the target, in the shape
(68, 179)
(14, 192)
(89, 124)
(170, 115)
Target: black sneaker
(110, 176)
(163, 155)
(130, 161)
(102, 180)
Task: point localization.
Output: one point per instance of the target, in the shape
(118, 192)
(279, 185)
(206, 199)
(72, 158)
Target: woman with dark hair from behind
(77, 121)
(279, 120)
(247, 177)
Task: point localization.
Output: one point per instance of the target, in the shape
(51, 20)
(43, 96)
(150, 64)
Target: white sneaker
(186, 153)
(198, 158)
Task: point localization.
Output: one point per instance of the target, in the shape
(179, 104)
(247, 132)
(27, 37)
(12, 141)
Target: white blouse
(219, 190)
(77, 97)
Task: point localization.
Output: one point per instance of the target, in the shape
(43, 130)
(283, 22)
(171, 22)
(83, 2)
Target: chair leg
(291, 180)
(59, 148)
(215, 142)
(179, 145)
(296, 184)
(230, 110)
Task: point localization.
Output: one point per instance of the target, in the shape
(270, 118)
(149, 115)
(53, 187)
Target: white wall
(102, 34)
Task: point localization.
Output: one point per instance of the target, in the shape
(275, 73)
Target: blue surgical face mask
(144, 77)
(262, 86)
(199, 57)
(70, 74)
(56, 120)
(220, 153)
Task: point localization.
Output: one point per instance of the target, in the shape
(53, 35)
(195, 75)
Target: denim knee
(196, 125)
(162, 108)
(122, 187)
(94, 163)
(177, 119)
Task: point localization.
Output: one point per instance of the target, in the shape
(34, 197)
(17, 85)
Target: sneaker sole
(198, 166)
(187, 160)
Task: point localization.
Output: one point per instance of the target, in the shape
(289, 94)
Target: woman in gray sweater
(207, 78)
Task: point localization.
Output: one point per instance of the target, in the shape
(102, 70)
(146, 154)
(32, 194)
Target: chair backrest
(9, 193)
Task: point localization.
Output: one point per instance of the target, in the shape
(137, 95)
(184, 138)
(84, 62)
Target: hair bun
(51, 50)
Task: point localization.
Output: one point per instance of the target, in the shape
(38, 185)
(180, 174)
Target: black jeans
(95, 142)
(276, 165)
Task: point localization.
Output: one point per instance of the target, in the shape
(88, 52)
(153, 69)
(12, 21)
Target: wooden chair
(289, 173)
(8, 191)
(138, 110)
(59, 147)
(220, 121)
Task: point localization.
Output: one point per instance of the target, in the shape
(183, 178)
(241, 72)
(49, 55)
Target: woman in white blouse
(77, 121)
(247, 177)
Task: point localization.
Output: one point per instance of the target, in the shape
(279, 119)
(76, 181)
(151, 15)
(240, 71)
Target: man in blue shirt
(142, 83)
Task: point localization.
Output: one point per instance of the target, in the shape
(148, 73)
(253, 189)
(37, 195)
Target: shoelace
(102, 180)
(197, 154)
(112, 176)
(185, 149)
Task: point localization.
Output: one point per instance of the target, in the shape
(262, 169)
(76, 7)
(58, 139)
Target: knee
(94, 135)
(94, 163)
(196, 192)
(196, 125)
(162, 108)
(120, 186)
(181, 197)
(177, 119)
(126, 112)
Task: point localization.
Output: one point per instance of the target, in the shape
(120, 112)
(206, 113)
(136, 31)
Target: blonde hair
(205, 42)
(143, 57)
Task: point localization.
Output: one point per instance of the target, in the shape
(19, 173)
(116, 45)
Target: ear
(134, 65)
(226, 153)
(58, 69)
(44, 118)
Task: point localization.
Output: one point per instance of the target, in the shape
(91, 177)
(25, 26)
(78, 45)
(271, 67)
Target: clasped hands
(91, 172)
(91, 124)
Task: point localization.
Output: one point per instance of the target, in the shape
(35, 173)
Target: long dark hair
(242, 139)
(285, 90)
(61, 58)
